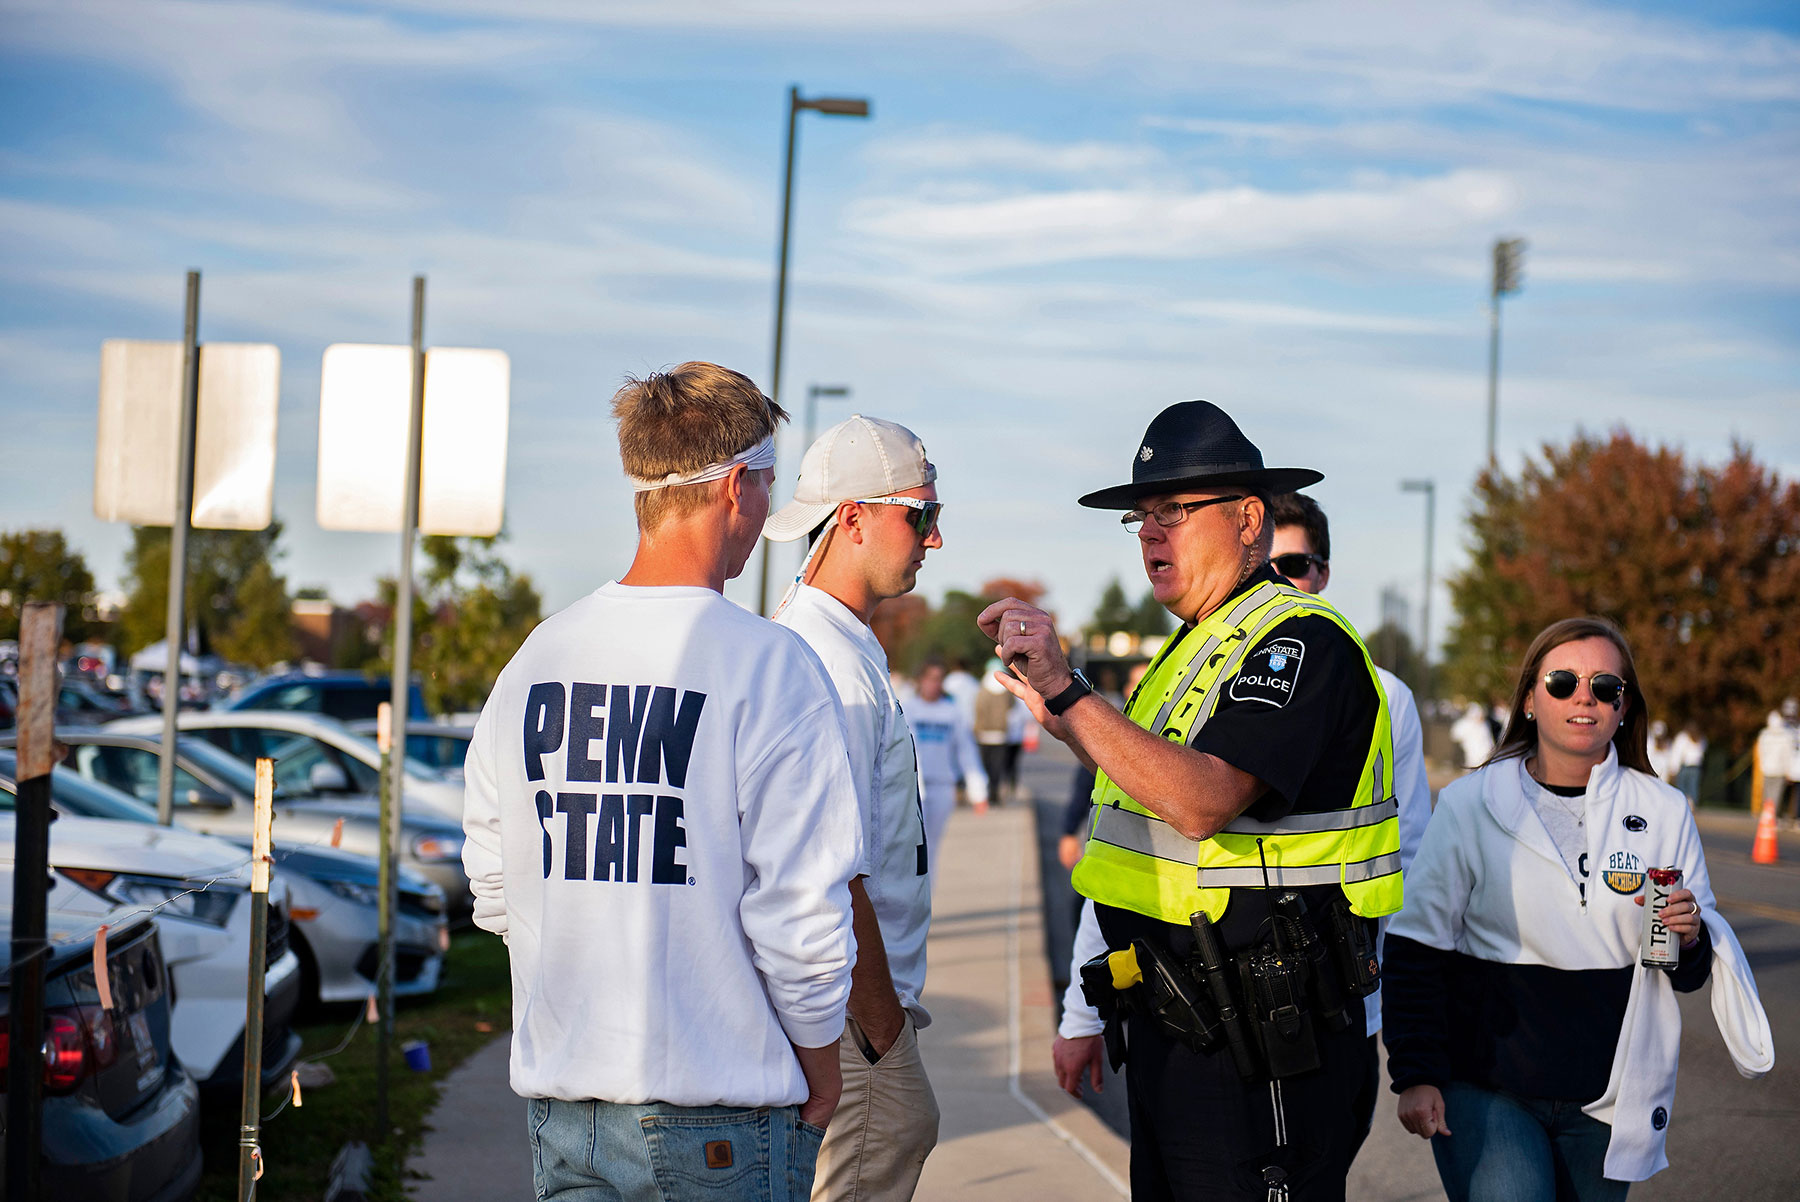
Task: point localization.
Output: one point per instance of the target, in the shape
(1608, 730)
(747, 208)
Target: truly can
(1659, 948)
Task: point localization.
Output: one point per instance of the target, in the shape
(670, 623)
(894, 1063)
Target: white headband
(755, 458)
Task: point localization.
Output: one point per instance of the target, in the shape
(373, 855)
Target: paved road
(1729, 1137)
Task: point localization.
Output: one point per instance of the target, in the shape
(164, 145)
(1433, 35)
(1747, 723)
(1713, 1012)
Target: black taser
(1215, 973)
(1353, 944)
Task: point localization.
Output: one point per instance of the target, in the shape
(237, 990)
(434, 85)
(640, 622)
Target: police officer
(1249, 779)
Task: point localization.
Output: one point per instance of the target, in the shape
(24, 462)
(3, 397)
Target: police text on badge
(1270, 673)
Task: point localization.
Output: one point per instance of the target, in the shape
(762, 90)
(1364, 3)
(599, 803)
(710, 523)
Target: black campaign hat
(1195, 444)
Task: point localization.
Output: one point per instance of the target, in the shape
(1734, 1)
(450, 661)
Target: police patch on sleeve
(1270, 673)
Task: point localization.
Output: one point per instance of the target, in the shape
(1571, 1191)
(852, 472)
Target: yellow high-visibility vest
(1136, 861)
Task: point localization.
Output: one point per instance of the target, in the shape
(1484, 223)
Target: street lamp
(830, 106)
(1429, 488)
(813, 393)
(1509, 262)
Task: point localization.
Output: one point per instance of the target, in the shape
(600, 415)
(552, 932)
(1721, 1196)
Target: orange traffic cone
(1763, 851)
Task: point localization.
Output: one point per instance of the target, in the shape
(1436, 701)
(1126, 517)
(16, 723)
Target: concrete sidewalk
(1007, 1132)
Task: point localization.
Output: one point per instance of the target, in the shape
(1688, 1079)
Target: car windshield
(77, 795)
(369, 752)
(232, 772)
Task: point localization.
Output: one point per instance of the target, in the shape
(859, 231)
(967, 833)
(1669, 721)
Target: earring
(1530, 717)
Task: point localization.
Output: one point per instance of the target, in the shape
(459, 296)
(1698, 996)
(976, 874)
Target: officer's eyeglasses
(1607, 688)
(1169, 513)
(1297, 564)
(925, 517)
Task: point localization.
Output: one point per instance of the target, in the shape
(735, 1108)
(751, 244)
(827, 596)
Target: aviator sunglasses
(925, 513)
(1608, 689)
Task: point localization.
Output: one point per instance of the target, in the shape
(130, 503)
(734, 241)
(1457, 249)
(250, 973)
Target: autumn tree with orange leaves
(1698, 565)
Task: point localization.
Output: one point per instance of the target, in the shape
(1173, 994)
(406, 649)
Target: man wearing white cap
(867, 497)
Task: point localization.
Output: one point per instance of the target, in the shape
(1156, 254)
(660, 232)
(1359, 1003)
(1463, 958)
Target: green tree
(1699, 565)
(470, 614)
(1114, 612)
(236, 603)
(1392, 648)
(39, 565)
(1150, 618)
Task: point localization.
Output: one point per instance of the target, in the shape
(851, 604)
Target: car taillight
(65, 1052)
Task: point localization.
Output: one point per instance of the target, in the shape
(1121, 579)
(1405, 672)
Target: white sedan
(316, 758)
(199, 888)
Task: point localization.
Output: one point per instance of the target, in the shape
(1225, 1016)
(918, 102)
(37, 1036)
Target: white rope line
(1015, 1036)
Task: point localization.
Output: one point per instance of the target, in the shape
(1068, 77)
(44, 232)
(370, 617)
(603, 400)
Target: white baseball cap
(857, 459)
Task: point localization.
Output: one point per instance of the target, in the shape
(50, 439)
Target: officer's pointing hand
(1025, 640)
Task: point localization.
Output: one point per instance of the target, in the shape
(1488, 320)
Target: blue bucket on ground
(418, 1055)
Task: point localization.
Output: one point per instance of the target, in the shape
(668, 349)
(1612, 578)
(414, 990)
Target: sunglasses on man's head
(1608, 689)
(1296, 564)
(924, 518)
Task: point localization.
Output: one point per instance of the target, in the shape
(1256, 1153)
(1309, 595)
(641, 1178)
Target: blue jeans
(1504, 1148)
(618, 1152)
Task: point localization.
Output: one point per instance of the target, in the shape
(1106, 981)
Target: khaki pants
(885, 1125)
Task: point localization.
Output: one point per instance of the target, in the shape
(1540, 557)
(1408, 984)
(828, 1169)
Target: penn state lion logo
(1145, 454)
(1624, 873)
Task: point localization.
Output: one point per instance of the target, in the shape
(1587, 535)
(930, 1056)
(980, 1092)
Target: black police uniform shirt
(1298, 716)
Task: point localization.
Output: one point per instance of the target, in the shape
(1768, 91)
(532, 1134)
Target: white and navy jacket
(1502, 973)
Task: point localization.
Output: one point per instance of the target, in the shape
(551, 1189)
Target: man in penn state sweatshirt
(662, 824)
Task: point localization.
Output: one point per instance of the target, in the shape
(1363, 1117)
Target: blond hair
(682, 420)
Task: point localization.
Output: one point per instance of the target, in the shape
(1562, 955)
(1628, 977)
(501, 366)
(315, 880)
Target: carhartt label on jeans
(718, 1154)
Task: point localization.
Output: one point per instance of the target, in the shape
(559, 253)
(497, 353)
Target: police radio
(1328, 993)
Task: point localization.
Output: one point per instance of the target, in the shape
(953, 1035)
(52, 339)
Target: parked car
(121, 1118)
(346, 696)
(316, 757)
(198, 888)
(216, 793)
(440, 745)
(333, 896)
(83, 703)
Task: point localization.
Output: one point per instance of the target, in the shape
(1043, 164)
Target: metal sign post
(40, 633)
(412, 441)
(250, 1132)
(398, 704)
(176, 635)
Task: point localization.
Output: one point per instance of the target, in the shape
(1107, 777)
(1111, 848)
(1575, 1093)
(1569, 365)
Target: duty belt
(1149, 835)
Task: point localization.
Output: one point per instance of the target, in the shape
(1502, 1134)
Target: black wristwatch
(1078, 688)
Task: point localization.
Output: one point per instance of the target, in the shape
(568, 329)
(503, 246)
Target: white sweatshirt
(946, 746)
(896, 850)
(661, 823)
(1489, 883)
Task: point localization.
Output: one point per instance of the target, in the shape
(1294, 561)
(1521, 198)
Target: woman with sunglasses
(1525, 1039)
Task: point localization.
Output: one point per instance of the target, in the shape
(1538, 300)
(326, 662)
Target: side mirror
(209, 799)
(327, 777)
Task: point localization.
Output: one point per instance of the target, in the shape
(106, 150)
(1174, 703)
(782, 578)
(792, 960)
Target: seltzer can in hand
(1659, 948)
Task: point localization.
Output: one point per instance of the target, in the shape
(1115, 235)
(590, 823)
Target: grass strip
(472, 1006)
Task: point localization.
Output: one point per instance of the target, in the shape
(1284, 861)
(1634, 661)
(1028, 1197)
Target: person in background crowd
(1000, 720)
(1790, 713)
(1658, 751)
(1302, 553)
(1774, 752)
(1686, 753)
(946, 753)
(1525, 1040)
(1255, 753)
(1470, 733)
(680, 954)
(962, 686)
(867, 499)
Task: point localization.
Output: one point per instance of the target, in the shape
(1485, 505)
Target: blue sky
(1062, 217)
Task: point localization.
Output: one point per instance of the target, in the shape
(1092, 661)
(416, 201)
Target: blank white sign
(365, 393)
(234, 436)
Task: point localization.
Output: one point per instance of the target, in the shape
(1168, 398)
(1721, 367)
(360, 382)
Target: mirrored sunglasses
(1608, 689)
(925, 513)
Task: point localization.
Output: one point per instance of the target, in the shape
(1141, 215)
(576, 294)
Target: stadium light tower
(1509, 263)
(1429, 488)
